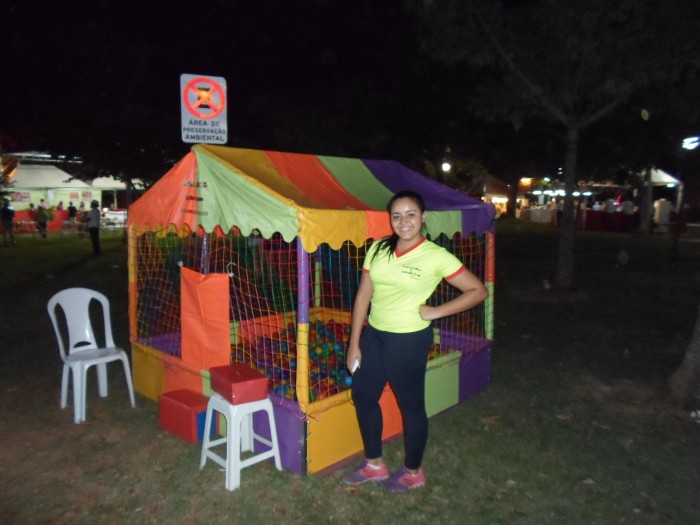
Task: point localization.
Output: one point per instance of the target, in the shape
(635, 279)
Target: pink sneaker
(365, 473)
(402, 480)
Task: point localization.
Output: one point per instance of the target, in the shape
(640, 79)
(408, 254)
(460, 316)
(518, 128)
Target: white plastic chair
(83, 350)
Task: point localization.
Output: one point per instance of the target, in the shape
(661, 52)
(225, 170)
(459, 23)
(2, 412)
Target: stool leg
(246, 432)
(273, 437)
(233, 452)
(205, 439)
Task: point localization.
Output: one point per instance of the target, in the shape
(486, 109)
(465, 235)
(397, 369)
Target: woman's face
(407, 220)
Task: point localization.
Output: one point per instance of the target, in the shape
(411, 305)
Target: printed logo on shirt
(412, 271)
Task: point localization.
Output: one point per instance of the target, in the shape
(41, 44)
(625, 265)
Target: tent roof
(317, 198)
(43, 176)
(660, 177)
(110, 183)
(494, 186)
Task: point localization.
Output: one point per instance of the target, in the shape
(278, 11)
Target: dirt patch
(625, 397)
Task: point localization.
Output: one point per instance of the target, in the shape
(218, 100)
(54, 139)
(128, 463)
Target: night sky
(333, 77)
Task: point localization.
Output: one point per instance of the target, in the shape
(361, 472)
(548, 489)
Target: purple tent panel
(477, 216)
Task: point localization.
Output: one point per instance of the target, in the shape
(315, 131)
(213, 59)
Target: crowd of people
(607, 212)
(41, 215)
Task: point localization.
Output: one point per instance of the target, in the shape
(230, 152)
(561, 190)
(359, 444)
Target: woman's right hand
(354, 352)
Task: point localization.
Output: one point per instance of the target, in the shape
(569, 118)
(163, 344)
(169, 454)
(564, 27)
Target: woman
(399, 274)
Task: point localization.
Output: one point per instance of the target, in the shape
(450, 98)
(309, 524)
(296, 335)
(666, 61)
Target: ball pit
(276, 357)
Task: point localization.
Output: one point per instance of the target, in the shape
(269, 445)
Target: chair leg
(129, 383)
(65, 379)
(102, 379)
(78, 393)
(83, 407)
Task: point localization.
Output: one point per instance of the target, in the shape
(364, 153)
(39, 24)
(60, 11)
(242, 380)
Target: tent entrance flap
(204, 321)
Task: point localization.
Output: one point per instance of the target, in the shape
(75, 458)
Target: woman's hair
(388, 244)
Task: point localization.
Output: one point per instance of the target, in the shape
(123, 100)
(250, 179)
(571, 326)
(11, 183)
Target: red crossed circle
(205, 96)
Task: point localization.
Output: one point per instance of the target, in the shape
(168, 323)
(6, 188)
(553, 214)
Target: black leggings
(399, 359)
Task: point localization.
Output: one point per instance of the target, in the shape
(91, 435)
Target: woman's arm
(359, 315)
(473, 293)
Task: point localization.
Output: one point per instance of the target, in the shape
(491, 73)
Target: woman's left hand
(473, 293)
(427, 313)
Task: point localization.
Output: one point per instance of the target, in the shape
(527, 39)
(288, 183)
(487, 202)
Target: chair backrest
(75, 303)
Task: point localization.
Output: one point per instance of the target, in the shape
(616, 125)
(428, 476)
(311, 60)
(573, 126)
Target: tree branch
(600, 113)
(531, 86)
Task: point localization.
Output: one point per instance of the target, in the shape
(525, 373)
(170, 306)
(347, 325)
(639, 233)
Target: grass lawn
(569, 431)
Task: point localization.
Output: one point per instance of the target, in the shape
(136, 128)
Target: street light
(691, 143)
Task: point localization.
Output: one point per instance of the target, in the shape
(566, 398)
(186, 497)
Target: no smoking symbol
(204, 98)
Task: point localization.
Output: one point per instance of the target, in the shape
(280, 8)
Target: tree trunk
(564, 278)
(512, 200)
(645, 205)
(685, 381)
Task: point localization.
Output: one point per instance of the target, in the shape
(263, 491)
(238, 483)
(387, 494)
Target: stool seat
(240, 437)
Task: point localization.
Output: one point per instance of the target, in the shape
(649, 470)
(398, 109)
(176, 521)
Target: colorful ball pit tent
(240, 255)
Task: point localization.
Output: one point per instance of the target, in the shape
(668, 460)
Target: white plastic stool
(239, 437)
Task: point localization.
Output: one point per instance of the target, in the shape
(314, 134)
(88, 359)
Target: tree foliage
(563, 62)
(575, 64)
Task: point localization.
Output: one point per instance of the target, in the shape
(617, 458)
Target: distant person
(42, 220)
(560, 211)
(82, 212)
(60, 206)
(72, 212)
(7, 216)
(93, 226)
(662, 214)
(609, 206)
(43, 205)
(627, 207)
(608, 212)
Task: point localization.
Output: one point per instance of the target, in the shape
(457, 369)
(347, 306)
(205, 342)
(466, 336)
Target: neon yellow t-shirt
(405, 281)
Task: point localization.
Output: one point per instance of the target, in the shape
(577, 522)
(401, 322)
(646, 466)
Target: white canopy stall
(661, 178)
(113, 215)
(29, 183)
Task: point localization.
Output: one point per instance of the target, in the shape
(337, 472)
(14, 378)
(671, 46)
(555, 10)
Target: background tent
(280, 237)
(496, 192)
(494, 187)
(114, 192)
(33, 182)
(661, 178)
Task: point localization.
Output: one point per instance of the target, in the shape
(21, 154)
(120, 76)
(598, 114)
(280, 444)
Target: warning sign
(203, 109)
